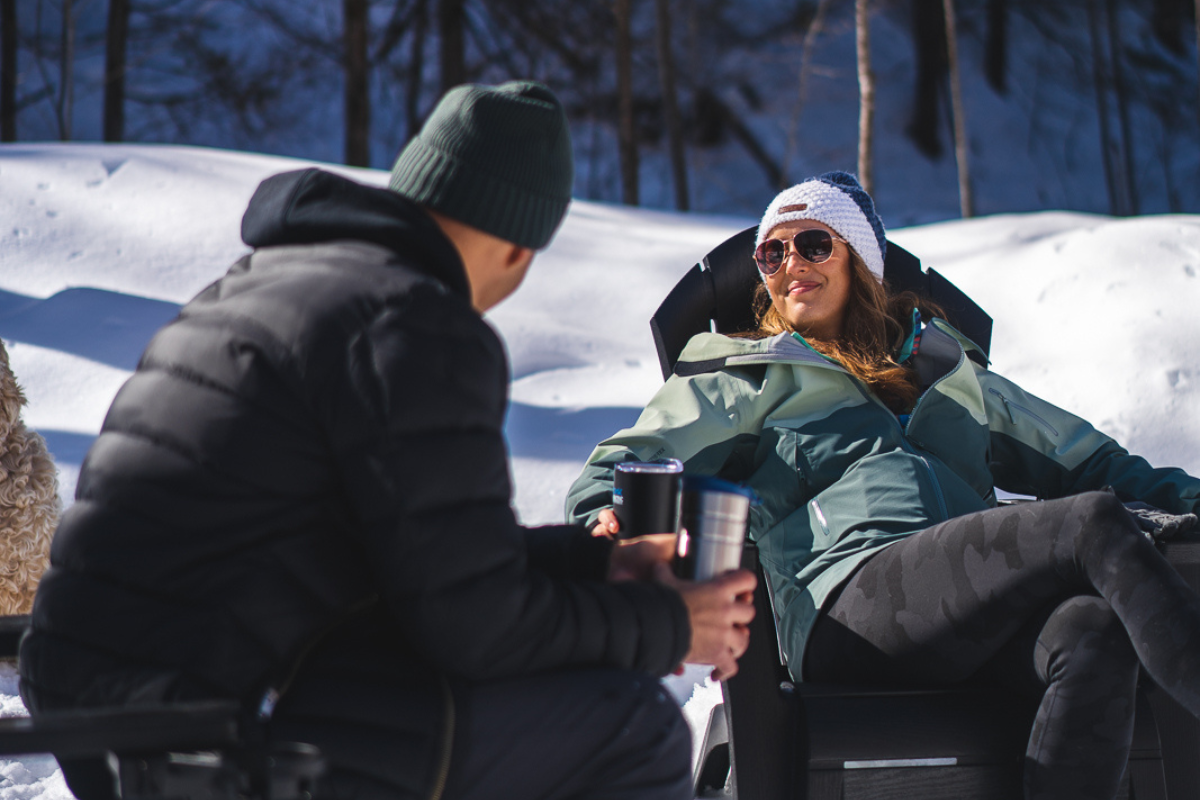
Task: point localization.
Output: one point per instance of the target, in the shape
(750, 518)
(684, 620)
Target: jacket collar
(942, 348)
(311, 206)
(708, 352)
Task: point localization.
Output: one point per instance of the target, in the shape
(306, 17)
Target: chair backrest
(717, 295)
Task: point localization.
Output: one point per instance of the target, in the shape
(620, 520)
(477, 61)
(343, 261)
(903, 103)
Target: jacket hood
(311, 206)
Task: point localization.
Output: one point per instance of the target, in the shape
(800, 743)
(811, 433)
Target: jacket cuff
(667, 637)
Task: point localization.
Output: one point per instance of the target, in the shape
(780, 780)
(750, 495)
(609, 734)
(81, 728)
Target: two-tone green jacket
(840, 476)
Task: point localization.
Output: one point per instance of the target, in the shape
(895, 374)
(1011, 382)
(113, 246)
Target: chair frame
(203, 750)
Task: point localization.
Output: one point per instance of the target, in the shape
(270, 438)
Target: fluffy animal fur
(29, 504)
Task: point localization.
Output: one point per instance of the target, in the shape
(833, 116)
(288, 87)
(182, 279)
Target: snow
(101, 244)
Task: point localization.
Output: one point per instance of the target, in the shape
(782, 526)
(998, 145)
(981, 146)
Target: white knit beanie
(837, 200)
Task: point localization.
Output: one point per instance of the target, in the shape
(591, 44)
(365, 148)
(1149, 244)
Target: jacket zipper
(911, 450)
(937, 486)
(961, 359)
(447, 744)
(904, 443)
(274, 692)
(907, 446)
(1010, 406)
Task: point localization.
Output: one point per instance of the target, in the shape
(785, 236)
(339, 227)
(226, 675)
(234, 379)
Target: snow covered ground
(99, 245)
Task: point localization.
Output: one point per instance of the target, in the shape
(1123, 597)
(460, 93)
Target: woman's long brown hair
(875, 328)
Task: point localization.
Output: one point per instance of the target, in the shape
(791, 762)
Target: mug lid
(708, 483)
(664, 467)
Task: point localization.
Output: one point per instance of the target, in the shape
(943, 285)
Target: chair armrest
(95, 732)
(12, 628)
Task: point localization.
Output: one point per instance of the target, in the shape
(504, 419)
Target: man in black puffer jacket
(301, 500)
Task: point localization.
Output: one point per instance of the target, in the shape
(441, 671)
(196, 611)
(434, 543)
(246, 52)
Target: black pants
(587, 734)
(582, 733)
(1062, 598)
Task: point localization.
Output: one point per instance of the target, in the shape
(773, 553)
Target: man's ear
(518, 255)
(498, 274)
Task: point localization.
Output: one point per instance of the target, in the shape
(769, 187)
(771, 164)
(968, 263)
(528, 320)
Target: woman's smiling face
(812, 297)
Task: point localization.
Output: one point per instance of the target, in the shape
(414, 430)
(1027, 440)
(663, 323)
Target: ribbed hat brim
(436, 179)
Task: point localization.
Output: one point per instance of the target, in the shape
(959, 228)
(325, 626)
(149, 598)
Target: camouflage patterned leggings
(1062, 598)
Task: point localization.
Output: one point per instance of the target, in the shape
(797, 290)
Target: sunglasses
(814, 245)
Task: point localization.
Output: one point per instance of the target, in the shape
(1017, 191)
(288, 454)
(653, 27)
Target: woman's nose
(792, 262)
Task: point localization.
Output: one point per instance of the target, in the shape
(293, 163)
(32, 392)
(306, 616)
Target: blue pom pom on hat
(839, 201)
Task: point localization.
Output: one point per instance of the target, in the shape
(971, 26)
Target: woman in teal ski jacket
(875, 437)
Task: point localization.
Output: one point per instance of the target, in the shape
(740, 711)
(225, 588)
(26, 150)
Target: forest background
(707, 105)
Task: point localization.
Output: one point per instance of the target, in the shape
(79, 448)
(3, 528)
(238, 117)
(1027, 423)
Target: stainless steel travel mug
(713, 519)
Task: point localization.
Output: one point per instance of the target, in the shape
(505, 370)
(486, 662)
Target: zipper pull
(266, 706)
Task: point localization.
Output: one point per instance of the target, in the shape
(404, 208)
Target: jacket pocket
(883, 494)
(780, 479)
(1015, 408)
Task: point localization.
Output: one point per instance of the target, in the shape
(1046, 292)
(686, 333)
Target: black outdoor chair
(773, 739)
(192, 751)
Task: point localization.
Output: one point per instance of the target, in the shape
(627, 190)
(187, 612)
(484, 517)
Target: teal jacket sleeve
(1039, 449)
(706, 421)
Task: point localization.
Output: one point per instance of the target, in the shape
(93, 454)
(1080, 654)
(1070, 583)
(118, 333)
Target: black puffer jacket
(315, 445)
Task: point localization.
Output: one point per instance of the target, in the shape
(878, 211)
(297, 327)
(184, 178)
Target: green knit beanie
(497, 158)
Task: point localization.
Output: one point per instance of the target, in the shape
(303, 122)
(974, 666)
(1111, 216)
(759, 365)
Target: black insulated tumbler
(646, 497)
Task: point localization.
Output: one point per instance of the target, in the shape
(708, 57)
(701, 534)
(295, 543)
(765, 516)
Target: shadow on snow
(563, 434)
(109, 327)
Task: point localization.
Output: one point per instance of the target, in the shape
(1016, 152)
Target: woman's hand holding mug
(607, 524)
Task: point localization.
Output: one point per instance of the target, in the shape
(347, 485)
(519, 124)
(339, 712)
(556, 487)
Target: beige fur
(29, 503)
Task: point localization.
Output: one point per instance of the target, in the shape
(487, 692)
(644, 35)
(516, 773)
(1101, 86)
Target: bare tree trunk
(626, 130)
(929, 57)
(115, 45)
(866, 93)
(451, 18)
(666, 73)
(711, 111)
(66, 71)
(1127, 170)
(815, 28)
(995, 51)
(1100, 82)
(357, 83)
(8, 70)
(965, 199)
(416, 72)
(1167, 18)
(693, 39)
